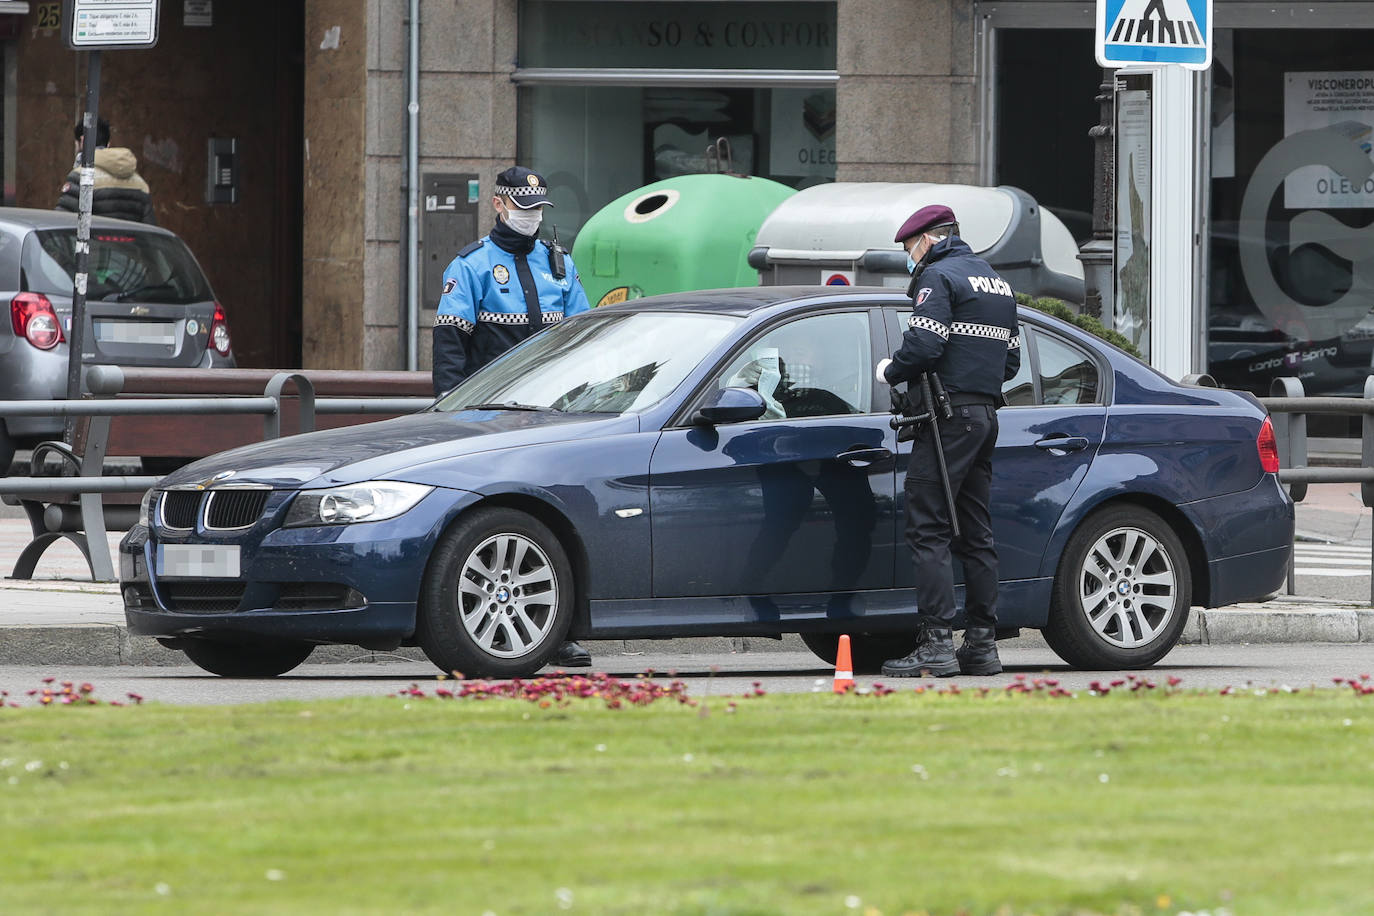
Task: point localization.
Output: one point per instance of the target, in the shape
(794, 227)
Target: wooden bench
(166, 442)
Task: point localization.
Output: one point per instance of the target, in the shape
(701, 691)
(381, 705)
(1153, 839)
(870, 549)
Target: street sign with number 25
(49, 15)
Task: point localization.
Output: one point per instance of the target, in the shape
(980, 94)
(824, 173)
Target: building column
(906, 101)
(332, 278)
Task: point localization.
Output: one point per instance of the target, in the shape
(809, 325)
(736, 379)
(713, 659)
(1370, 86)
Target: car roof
(24, 219)
(749, 299)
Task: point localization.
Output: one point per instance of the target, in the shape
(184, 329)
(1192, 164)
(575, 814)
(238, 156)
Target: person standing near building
(505, 286)
(500, 290)
(119, 190)
(963, 328)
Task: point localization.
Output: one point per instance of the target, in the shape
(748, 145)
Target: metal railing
(1289, 408)
(46, 500)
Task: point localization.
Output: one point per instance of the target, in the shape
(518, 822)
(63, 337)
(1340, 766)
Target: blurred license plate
(159, 333)
(217, 561)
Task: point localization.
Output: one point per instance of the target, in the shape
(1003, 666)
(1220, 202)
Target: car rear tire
(497, 598)
(251, 659)
(6, 450)
(1122, 593)
(867, 651)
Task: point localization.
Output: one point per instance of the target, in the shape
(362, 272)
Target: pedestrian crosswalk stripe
(1330, 573)
(1343, 561)
(1338, 549)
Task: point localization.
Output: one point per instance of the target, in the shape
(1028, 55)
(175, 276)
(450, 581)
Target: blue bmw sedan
(709, 463)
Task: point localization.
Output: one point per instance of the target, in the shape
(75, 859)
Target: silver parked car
(148, 304)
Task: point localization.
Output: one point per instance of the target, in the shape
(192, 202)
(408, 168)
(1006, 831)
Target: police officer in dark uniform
(501, 289)
(963, 328)
(504, 287)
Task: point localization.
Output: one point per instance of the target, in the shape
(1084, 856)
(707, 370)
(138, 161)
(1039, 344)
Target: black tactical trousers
(968, 439)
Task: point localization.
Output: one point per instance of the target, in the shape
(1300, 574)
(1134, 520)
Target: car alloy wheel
(1122, 593)
(509, 595)
(497, 597)
(1127, 588)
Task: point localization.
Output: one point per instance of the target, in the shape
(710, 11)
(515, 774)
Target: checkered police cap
(524, 187)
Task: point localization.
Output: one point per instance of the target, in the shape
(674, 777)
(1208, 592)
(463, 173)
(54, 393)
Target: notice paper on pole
(105, 25)
(1131, 32)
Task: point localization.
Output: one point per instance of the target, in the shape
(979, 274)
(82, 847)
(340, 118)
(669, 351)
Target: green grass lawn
(931, 803)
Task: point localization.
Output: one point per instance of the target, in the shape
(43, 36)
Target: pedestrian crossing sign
(1154, 32)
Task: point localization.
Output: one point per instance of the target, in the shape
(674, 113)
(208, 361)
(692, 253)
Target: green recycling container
(688, 232)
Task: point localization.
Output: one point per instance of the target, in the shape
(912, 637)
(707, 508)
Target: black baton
(930, 385)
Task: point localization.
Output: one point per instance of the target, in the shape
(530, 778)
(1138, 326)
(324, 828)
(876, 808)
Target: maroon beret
(923, 219)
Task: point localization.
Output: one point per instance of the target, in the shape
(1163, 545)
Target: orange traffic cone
(844, 668)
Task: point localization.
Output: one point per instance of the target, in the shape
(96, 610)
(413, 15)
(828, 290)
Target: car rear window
(124, 265)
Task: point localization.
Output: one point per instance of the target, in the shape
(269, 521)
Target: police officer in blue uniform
(963, 328)
(500, 290)
(504, 287)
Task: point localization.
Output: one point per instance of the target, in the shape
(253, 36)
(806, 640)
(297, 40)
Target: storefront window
(757, 74)
(1291, 278)
(1044, 149)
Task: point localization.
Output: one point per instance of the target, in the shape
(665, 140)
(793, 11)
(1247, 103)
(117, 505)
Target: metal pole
(76, 337)
(1099, 252)
(413, 193)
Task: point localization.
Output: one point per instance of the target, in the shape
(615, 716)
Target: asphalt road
(1252, 666)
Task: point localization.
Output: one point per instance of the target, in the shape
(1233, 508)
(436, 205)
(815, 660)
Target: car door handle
(863, 456)
(1062, 444)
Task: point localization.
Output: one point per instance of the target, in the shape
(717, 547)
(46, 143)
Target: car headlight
(372, 501)
(145, 509)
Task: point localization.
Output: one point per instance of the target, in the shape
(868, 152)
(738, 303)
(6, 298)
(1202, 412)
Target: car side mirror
(730, 405)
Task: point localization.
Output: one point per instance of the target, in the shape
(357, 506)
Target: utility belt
(969, 398)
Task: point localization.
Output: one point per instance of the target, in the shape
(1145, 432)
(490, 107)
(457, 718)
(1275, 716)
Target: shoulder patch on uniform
(469, 248)
(923, 294)
(449, 284)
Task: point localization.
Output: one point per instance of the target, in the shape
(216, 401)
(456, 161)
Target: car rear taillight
(35, 320)
(1268, 447)
(219, 332)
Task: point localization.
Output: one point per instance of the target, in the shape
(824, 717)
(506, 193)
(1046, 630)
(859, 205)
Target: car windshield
(124, 265)
(611, 362)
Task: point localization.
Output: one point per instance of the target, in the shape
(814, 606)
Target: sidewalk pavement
(63, 618)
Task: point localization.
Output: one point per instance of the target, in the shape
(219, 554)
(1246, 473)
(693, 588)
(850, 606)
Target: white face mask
(525, 222)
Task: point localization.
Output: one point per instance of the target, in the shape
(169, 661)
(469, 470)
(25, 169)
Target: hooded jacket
(119, 190)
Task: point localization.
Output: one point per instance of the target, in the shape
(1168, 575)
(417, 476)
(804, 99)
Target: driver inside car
(764, 374)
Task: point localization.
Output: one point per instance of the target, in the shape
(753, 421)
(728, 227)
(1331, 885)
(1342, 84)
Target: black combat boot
(978, 654)
(571, 655)
(933, 656)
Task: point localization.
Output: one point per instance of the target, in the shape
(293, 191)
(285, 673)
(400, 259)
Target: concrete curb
(99, 644)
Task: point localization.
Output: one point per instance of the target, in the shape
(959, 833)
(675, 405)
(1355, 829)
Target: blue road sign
(1154, 32)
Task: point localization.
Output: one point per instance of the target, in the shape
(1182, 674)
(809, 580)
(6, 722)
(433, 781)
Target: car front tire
(1122, 593)
(255, 659)
(497, 598)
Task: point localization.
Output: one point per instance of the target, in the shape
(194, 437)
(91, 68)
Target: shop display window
(1291, 278)
(597, 129)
